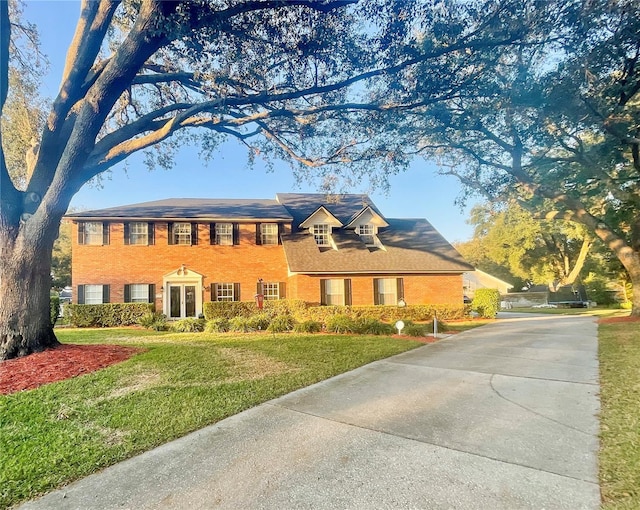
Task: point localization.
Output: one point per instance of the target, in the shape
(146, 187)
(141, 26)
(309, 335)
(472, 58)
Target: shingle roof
(193, 208)
(343, 207)
(410, 246)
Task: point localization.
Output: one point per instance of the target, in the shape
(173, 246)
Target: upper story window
(321, 233)
(224, 233)
(138, 233)
(367, 233)
(268, 233)
(181, 233)
(93, 232)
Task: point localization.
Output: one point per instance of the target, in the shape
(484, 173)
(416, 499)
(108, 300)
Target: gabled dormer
(366, 224)
(320, 223)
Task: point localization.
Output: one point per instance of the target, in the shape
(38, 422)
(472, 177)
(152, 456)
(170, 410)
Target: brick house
(180, 253)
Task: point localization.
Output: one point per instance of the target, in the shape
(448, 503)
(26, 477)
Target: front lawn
(182, 382)
(619, 353)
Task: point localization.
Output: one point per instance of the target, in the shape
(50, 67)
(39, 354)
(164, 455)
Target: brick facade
(434, 289)
(117, 264)
(411, 258)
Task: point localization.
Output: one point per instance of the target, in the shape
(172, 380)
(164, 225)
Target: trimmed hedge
(302, 311)
(486, 302)
(54, 309)
(230, 309)
(417, 313)
(107, 315)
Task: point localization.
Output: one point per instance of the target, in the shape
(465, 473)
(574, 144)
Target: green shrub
(486, 302)
(228, 309)
(341, 324)
(301, 311)
(54, 309)
(308, 327)
(239, 324)
(188, 325)
(219, 325)
(417, 329)
(106, 315)
(296, 308)
(273, 308)
(388, 314)
(258, 322)
(281, 324)
(155, 321)
(367, 326)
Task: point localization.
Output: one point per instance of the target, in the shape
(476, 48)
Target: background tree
(509, 243)
(554, 124)
(282, 77)
(61, 258)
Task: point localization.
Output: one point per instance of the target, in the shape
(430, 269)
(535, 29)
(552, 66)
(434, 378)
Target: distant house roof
(409, 246)
(193, 209)
(344, 207)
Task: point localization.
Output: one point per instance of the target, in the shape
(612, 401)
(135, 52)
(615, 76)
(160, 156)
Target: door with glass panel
(182, 301)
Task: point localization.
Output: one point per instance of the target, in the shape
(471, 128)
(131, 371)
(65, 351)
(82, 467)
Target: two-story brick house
(180, 253)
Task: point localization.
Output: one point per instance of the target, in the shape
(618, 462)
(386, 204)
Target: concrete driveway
(503, 416)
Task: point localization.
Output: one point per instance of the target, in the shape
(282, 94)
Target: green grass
(182, 382)
(619, 352)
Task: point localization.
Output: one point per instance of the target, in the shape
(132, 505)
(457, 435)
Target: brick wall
(117, 264)
(418, 289)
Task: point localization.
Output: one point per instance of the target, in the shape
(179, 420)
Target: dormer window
(321, 233)
(367, 234)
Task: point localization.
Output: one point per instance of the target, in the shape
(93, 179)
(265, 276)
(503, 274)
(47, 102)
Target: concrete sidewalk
(504, 416)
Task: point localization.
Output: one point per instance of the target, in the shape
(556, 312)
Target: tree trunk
(25, 284)
(634, 274)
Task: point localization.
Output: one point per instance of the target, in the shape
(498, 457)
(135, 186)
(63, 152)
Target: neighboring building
(180, 253)
(474, 280)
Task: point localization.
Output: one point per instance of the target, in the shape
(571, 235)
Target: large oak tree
(299, 79)
(553, 124)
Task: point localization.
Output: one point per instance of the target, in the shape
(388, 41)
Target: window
(93, 294)
(335, 292)
(181, 233)
(225, 292)
(139, 293)
(268, 233)
(366, 233)
(321, 234)
(93, 232)
(272, 291)
(388, 291)
(224, 234)
(138, 233)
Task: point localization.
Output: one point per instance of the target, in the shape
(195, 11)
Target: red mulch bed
(613, 320)
(62, 362)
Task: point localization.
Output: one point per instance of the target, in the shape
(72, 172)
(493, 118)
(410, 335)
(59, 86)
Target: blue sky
(416, 193)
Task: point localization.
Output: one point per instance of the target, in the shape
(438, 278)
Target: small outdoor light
(402, 303)
(399, 327)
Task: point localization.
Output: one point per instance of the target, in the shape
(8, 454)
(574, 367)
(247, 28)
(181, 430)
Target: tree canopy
(553, 123)
(511, 244)
(305, 80)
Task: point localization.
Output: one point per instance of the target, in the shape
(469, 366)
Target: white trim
(182, 277)
(327, 218)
